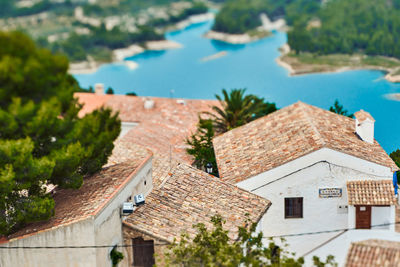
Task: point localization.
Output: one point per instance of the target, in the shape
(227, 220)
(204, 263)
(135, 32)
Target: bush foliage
(43, 141)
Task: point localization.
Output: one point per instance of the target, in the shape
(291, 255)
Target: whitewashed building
(321, 171)
(89, 217)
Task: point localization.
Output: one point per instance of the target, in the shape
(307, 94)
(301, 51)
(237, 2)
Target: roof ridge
(220, 180)
(169, 175)
(310, 121)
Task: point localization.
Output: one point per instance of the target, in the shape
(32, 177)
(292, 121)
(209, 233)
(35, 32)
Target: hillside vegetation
(100, 42)
(241, 16)
(83, 30)
(347, 27)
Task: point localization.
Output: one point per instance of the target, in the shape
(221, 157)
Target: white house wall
(108, 226)
(126, 127)
(81, 233)
(379, 216)
(324, 154)
(304, 177)
(104, 229)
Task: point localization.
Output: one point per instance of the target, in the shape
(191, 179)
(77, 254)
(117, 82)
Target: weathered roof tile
(286, 135)
(72, 205)
(371, 192)
(163, 128)
(374, 253)
(189, 196)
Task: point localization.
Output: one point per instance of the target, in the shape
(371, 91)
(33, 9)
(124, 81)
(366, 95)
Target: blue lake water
(251, 66)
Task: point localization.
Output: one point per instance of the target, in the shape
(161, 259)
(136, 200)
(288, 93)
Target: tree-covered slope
(241, 16)
(357, 26)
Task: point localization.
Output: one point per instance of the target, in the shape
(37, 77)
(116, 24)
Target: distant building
(321, 171)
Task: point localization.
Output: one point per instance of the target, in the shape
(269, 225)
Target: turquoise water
(251, 66)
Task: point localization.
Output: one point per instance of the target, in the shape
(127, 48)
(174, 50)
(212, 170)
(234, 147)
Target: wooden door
(363, 217)
(143, 252)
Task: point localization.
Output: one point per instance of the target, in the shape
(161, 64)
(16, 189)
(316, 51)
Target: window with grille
(293, 207)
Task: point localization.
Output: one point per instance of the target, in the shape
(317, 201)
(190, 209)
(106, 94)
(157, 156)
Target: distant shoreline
(233, 38)
(296, 67)
(119, 55)
(91, 66)
(395, 96)
(261, 32)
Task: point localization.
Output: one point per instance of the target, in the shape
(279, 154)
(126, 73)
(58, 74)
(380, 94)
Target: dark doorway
(143, 252)
(363, 217)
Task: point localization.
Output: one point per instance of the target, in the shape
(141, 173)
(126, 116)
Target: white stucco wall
(352, 217)
(126, 127)
(379, 216)
(81, 233)
(304, 177)
(104, 229)
(108, 223)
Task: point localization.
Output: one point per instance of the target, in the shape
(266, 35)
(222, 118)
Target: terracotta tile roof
(363, 115)
(97, 190)
(125, 151)
(188, 196)
(374, 253)
(371, 192)
(90, 103)
(288, 134)
(161, 128)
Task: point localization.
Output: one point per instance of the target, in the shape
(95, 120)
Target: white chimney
(148, 103)
(99, 89)
(365, 126)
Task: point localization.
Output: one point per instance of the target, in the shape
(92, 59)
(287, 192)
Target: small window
(293, 207)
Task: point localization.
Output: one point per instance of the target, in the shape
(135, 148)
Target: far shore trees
(349, 27)
(243, 16)
(43, 142)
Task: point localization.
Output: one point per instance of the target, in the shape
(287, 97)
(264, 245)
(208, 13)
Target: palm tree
(237, 109)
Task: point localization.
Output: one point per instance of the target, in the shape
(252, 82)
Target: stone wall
(159, 245)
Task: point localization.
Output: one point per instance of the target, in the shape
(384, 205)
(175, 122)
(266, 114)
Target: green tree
(116, 256)
(6, 7)
(110, 91)
(338, 109)
(347, 27)
(237, 109)
(214, 247)
(42, 139)
(239, 16)
(201, 146)
(395, 155)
